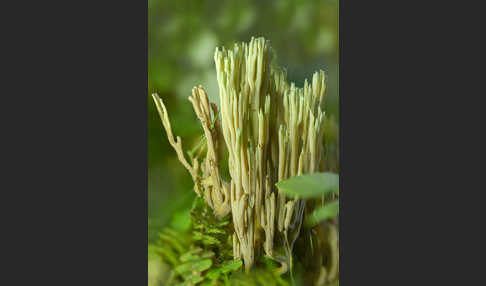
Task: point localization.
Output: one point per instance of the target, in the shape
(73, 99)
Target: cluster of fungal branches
(272, 131)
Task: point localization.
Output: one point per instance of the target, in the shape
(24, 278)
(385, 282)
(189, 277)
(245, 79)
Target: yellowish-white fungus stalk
(272, 131)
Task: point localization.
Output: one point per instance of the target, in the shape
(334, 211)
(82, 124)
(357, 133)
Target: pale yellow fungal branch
(300, 148)
(205, 175)
(176, 144)
(259, 107)
(245, 86)
(216, 190)
(272, 130)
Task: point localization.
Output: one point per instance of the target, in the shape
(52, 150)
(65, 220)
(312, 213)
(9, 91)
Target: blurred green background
(182, 38)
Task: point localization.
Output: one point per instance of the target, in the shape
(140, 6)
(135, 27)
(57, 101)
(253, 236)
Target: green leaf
(329, 210)
(170, 239)
(209, 240)
(213, 274)
(311, 185)
(215, 231)
(197, 235)
(231, 266)
(168, 255)
(207, 254)
(223, 223)
(194, 278)
(226, 267)
(202, 265)
(196, 254)
(194, 266)
(183, 268)
(206, 239)
(191, 255)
